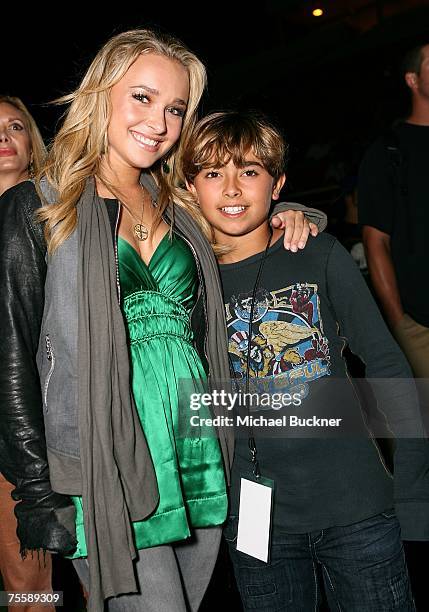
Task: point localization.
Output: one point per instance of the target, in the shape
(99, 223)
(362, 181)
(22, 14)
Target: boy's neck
(247, 245)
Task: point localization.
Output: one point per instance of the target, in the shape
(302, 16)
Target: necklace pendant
(141, 232)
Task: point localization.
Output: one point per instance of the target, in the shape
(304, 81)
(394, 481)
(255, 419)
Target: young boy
(337, 511)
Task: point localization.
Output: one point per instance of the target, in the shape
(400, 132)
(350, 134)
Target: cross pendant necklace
(140, 231)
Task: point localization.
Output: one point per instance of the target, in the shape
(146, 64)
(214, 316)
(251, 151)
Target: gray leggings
(172, 578)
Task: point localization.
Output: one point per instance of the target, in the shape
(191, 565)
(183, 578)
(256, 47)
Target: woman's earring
(31, 167)
(165, 167)
(105, 145)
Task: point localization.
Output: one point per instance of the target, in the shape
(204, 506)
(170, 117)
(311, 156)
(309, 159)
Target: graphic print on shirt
(288, 347)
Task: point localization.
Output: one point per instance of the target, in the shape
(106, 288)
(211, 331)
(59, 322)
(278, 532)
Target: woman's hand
(46, 520)
(296, 228)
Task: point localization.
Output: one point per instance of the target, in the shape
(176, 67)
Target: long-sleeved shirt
(308, 306)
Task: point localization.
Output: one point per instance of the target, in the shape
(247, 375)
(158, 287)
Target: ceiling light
(317, 12)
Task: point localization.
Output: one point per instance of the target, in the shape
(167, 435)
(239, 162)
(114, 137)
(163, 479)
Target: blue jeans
(361, 567)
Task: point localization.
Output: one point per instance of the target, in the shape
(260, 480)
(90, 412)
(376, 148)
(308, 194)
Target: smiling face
(236, 200)
(148, 106)
(15, 145)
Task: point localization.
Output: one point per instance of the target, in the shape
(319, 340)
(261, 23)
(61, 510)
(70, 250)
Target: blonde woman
(22, 153)
(129, 292)
(22, 150)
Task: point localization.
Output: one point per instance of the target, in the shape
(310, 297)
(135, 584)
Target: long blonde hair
(38, 148)
(78, 147)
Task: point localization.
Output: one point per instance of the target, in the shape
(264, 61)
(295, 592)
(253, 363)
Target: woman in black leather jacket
(21, 154)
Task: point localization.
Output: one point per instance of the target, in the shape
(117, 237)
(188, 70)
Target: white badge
(254, 517)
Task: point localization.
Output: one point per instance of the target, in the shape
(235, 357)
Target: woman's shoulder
(17, 212)
(23, 197)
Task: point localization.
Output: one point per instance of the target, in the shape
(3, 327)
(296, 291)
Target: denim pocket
(263, 586)
(261, 590)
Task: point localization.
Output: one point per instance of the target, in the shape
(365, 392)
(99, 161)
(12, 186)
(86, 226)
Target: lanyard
(251, 440)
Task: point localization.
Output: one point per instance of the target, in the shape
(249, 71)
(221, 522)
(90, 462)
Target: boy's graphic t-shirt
(288, 341)
(307, 306)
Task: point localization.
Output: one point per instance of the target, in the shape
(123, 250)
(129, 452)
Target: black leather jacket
(45, 518)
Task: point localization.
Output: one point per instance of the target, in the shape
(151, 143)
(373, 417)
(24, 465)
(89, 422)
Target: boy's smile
(233, 211)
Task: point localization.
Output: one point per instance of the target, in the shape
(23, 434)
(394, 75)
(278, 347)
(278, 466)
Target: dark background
(331, 83)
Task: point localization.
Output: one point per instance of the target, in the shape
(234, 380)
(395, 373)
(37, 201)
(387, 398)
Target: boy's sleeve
(392, 383)
(313, 215)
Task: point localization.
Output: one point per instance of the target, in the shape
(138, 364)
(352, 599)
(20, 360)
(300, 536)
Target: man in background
(393, 208)
(393, 197)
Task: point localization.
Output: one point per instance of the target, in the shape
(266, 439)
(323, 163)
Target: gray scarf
(118, 479)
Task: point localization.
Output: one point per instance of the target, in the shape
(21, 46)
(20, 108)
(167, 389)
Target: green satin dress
(157, 300)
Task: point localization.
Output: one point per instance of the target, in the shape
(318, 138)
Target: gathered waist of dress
(150, 314)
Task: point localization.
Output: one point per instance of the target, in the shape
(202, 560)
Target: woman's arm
(45, 518)
(299, 222)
